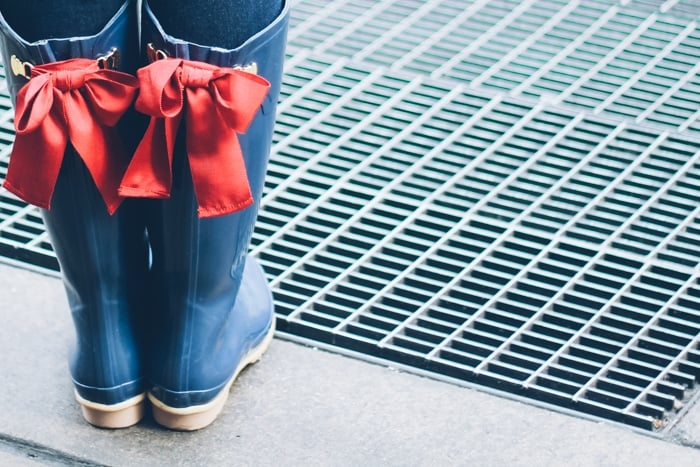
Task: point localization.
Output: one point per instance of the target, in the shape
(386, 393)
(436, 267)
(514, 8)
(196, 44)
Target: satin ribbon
(72, 101)
(217, 104)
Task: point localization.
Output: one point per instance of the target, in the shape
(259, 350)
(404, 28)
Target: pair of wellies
(147, 155)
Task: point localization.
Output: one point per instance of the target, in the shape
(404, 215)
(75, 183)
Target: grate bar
(329, 70)
(504, 235)
(426, 204)
(375, 11)
(668, 94)
(483, 38)
(620, 90)
(18, 215)
(668, 5)
(435, 38)
(38, 240)
(605, 61)
(547, 306)
(290, 63)
(404, 24)
(544, 251)
(356, 169)
(562, 288)
(347, 135)
(653, 320)
(323, 12)
(302, 170)
(694, 118)
(523, 45)
(565, 52)
(287, 104)
(681, 354)
(602, 251)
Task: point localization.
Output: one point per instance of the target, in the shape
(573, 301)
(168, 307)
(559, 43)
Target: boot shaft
(215, 301)
(103, 258)
(117, 43)
(228, 237)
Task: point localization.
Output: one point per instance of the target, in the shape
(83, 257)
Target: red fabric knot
(194, 77)
(69, 101)
(68, 80)
(217, 104)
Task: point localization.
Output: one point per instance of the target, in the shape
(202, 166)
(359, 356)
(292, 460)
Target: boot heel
(122, 415)
(200, 416)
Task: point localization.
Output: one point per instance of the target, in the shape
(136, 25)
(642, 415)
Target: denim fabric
(216, 23)
(34, 20)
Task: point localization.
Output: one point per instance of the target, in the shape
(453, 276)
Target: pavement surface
(299, 406)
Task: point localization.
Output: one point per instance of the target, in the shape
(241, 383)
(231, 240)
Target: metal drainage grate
(425, 206)
(530, 248)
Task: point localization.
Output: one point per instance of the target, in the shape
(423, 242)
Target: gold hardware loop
(109, 61)
(20, 68)
(155, 54)
(251, 68)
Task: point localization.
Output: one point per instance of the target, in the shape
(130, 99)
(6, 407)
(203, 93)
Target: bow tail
(149, 174)
(216, 160)
(36, 161)
(106, 168)
(100, 148)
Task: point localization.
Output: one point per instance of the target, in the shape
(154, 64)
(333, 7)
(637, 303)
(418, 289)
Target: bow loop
(69, 101)
(216, 103)
(246, 90)
(162, 95)
(34, 107)
(110, 95)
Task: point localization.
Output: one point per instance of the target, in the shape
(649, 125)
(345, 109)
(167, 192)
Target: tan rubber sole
(200, 416)
(122, 415)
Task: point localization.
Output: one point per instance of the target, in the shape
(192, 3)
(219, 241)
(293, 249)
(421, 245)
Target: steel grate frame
(501, 193)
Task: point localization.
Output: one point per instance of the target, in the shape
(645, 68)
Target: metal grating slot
(315, 22)
(22, 233)
(632, 60)
(681, 8)
(497, 192)
(658, 52)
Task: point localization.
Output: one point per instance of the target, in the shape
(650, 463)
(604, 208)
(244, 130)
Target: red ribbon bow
(71, 100)
(217, 103)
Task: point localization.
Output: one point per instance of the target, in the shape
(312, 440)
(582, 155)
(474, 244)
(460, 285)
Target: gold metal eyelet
(155, 54)
(110, 61)
(251, 68)
(20, 68)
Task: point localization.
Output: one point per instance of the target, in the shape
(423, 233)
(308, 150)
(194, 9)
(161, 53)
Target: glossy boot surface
(103, 258)
(215, 314)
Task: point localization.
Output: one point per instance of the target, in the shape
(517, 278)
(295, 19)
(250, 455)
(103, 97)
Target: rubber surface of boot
(216, 314)
(103, 258)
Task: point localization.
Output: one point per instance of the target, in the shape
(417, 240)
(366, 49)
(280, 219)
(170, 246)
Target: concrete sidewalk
(297, 407)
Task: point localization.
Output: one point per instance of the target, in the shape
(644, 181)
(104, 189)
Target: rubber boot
(215, 314)
(103, 258)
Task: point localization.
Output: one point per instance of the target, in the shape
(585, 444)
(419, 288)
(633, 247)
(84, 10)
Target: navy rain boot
(215, 313)
(103, 258)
